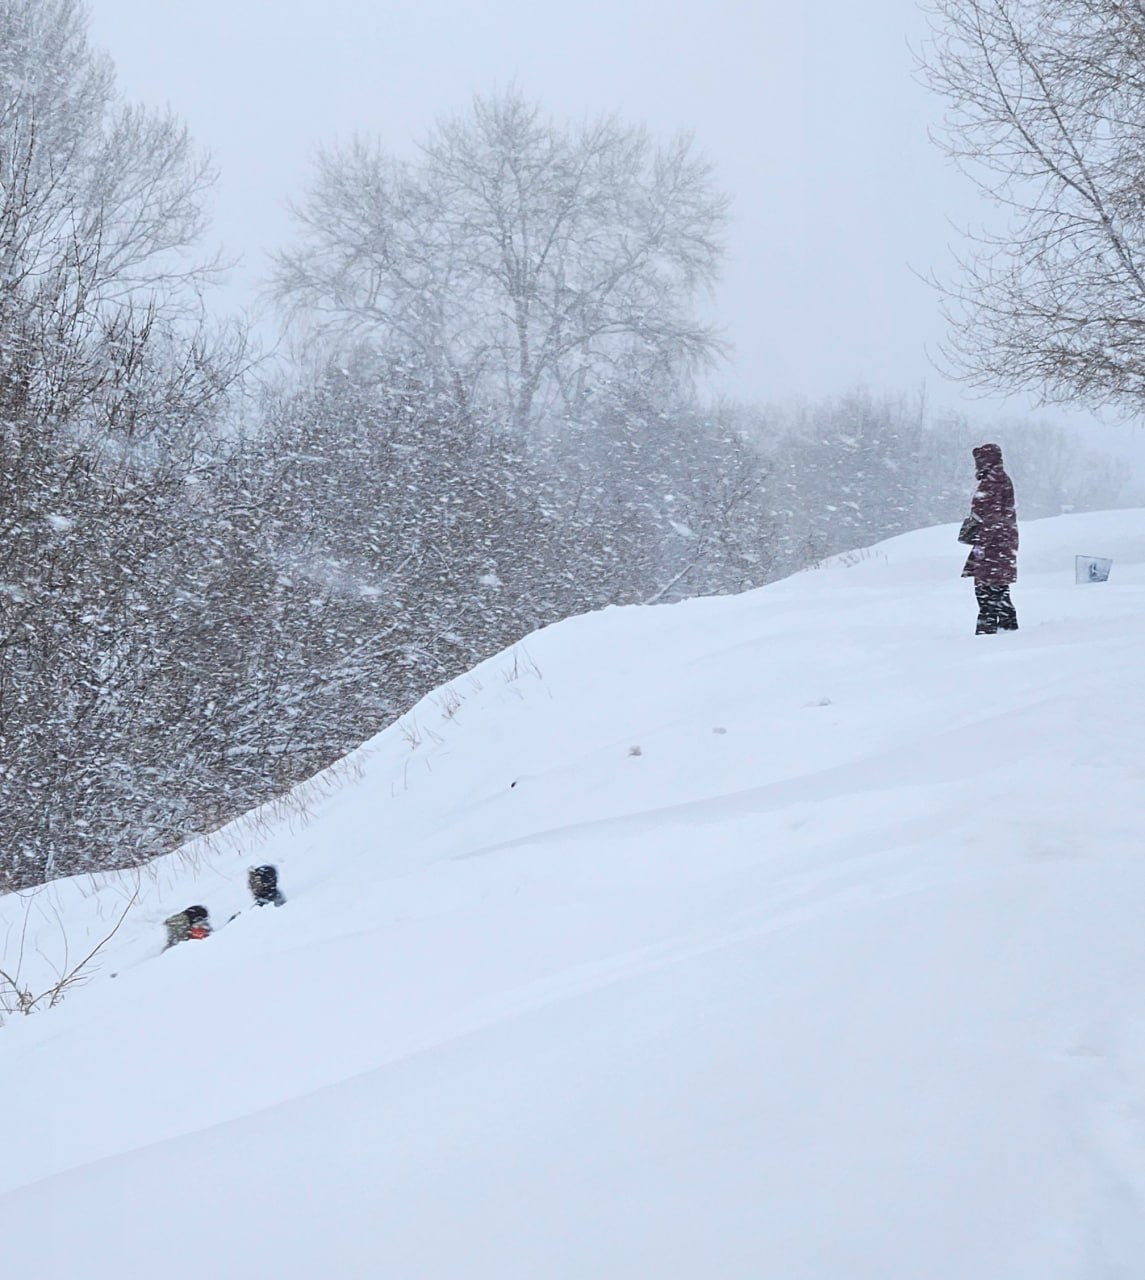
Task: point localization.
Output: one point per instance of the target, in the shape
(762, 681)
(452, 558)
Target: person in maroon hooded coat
(993, 559)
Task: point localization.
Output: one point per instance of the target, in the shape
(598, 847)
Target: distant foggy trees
(444, 536)
(543, 279)
(1046, 112)
(549, 276)
(532, 263)
(852, 470)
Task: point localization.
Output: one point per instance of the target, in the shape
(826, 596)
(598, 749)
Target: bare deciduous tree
(525, 259)
(1047, 114)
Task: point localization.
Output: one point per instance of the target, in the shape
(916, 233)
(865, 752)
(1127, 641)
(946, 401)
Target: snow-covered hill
(793, 936)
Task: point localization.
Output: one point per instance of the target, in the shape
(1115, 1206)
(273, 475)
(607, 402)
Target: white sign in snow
(1091, 568)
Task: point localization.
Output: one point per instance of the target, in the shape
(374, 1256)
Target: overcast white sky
(810, 112)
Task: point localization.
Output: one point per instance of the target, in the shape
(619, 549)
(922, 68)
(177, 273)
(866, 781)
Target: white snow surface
(798, 935)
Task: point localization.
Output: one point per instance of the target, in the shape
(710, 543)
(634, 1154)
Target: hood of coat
(986, 458)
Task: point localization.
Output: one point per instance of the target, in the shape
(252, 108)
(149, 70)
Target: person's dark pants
(995, 609)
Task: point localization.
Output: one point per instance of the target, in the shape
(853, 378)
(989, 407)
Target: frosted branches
(527, 259)
(1046, 112)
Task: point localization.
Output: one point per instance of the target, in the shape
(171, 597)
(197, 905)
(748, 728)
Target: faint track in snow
(980, 746)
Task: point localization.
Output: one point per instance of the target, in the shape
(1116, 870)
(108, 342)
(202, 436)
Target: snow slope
(796, 936)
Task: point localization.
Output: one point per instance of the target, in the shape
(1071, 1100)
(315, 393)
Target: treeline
(218, 575)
